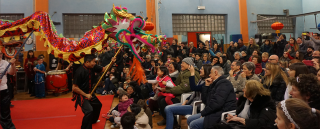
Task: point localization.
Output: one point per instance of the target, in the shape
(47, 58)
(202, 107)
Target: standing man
(6, 121)
(83, 86)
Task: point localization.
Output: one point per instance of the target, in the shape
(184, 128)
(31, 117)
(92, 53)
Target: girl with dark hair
(186, 107)
(215, 61)
(292, 47)
(142, 120)
(278, 47)
(267, 47)
(164, 80)
(29, 64)
(307, 88)
(295, 70)
(226, 66)
(296, 114)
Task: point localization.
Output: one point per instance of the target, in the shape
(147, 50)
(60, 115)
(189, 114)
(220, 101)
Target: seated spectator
(296, 114)
(215, 48)
(128, 121)
(235, 70)
(160, 62)
(218, 96)
(276, 81)
(142, 120)
(284, 65)
(254, 53)
(146, 109)
(316, 53)
(164, 81)
(253, 46)
(307, 88)
(253, 107)
(124, 103)
(225, 65)
(231, 50)
(146, 64)
(256, 60)
(297, 55)
(244, 55)
(198, 61)
(294, 71)
(215, 61)
(267, 47)
(201, 48)
(308, 55)
(110, 85)
(186, 107)
(292, 47)
(179, 59)
(182, 86)
(248, 70)
(205, 59)
(173, 71)
(285, 57)
(237, 56)
(153, 70)
(264, 58)
(133, 93)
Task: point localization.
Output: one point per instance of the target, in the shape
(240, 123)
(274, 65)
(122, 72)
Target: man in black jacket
(106, 56)
(202, 49)
(218, 96)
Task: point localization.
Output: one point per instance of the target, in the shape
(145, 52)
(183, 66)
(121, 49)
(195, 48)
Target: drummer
(68, 67)
(82, 87)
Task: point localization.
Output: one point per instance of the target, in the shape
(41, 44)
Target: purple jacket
(123, 106)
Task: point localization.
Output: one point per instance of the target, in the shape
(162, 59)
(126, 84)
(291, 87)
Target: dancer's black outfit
(84, 78)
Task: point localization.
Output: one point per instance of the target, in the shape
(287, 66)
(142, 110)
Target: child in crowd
(265, 57)
(123, 89)
(128, 120)
(164, 81)
(39, 79)
(123, 105)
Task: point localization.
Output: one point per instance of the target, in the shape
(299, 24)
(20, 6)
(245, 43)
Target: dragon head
(128, 30)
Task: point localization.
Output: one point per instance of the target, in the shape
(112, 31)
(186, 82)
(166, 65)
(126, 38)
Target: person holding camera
(315, 40)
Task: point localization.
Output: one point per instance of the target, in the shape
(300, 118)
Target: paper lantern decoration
(277, 26)
(148, 27)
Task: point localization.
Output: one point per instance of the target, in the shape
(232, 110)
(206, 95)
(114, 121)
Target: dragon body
(119, 25)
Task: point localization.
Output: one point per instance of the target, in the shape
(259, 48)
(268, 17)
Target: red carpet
(53, 113)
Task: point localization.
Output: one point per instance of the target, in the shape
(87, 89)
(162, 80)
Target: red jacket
(258, 68)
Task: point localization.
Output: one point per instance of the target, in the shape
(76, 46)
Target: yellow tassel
(17, 37)
(6, 39)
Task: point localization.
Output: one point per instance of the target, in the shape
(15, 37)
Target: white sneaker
(115, 126)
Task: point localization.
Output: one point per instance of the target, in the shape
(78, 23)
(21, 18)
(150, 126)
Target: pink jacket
(123, 106)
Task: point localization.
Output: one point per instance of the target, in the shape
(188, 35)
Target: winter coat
(226, 68)
(142, 120)
(250, 49)
(230, 51)
(292, 52)
(202, 50)
(106, 58)
(277, 88)
(175, 51)
(192, 50)
(243, 48)
(266, 48)
(258, 69)
(123, 106)
(182, 83)
(262, 112)
(219, 97)
(279, 46)
(198, 63)
(241, 82)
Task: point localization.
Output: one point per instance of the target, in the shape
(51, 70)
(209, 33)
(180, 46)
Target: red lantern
(148, 27)
(277, 26)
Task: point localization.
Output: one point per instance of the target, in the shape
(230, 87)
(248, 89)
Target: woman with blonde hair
(255, 110)
(252, 46)
(296, 114)
(276, 81)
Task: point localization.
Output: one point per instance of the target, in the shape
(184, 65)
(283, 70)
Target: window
(184, 23)
(75, 25)
(265, 26)
(13, 17)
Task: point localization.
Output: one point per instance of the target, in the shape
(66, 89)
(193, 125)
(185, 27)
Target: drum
(57, 81)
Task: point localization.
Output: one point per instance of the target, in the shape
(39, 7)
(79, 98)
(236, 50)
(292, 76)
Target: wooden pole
(107, 69)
